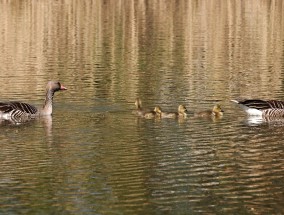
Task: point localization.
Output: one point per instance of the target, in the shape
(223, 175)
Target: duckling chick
(182, 112)
(152, 114)
(140, 111)
(215, 112)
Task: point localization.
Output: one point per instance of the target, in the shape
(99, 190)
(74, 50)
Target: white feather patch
(249, 111)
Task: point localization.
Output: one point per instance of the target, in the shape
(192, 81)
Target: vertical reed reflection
(166, 52)
(137, 41)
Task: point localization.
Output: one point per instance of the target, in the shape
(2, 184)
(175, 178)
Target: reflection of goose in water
(47, 123)
(265, 120)
(19, 112)
(41, 122)
(16, 120)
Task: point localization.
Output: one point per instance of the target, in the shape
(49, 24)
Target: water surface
(93, 156)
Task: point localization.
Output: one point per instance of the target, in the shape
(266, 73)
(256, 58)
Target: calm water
(93, 156)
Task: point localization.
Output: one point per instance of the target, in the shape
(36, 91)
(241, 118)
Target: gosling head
(182, 109)
(217, 110)
(138, 103)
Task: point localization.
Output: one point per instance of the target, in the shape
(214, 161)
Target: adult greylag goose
(16, 110)
(265, 108)
(217, 111)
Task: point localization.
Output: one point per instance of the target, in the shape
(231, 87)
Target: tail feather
(251, 107)
(236, 101)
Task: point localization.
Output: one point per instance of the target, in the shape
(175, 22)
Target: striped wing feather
(263, 105)
(17, 107)
(276, 104)
(273, 112)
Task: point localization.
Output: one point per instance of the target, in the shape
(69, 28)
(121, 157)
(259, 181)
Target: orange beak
(63, 88)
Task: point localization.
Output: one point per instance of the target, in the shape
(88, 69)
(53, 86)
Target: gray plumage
(272, 108)
(18, 110)
(273, 112)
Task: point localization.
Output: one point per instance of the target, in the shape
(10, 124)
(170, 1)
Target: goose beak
(63, 88)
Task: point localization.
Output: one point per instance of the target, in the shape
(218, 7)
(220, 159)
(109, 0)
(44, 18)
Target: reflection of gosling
(215, 112)
(182, 112)
(140, 111)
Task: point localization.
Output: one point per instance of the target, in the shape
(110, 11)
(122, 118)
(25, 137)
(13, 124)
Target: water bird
(265, 108)
(217, 111)
(182, 112)
(152, 114)
(140, 111)
(14, 110)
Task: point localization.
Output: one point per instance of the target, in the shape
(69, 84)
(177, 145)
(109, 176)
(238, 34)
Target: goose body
(18, 110)
(140, 111)
(182, 112)
(150, 114)
(258, 107)
(217, 111)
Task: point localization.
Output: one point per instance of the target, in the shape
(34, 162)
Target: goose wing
(17, 107)
(255, 104)
(276, 104)
(261, 104)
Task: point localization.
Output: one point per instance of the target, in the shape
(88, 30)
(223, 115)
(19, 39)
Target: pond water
(93, 156)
